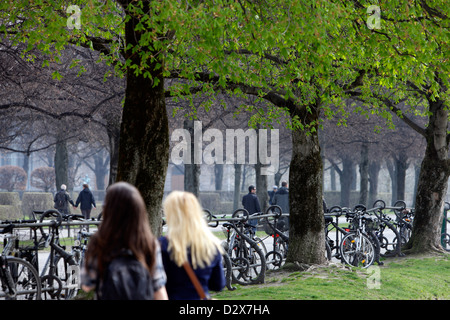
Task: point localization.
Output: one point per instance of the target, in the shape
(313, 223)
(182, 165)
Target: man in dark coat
(62, 200)
(86, 201)
(251, 204)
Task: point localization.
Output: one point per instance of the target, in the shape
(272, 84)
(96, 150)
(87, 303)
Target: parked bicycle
(357, 248)
(386, 223)
(332, 227)
(277, 256)
(60, 274)
(19, 279)
(248, 263)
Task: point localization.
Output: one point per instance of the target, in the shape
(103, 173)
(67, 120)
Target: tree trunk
(261, 182)
(192, 170)
(346, 177)
(100, 170)
(401, 165)
(237, 185)
(261, 188)
(144, 136)
(432, 186)
(374, 170)
(391, 169)
(333, 178)
(113, 130)
(61, 164)
(218, 176)
(364, 173)
(307, 237)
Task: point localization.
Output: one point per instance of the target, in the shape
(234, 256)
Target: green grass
(404, 278)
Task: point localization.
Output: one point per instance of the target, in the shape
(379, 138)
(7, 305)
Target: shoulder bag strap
(194, 280)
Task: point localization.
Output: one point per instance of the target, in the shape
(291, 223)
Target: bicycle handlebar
(52, 213)
(73, 217)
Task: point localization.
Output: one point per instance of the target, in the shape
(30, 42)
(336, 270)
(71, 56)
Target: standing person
(123, 259)
(281, 198)
(251, 203)
(189, 240)
(272, 193)
(62, 200)
(86, 201)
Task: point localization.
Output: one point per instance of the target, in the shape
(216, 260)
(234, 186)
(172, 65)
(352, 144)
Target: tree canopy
(305, 57)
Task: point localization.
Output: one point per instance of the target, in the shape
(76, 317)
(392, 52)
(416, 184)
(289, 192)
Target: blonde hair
(187, 228)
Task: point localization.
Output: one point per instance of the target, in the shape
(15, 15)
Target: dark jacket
(63, 207)
(179, 285)
(86, 199)
(251, 203)
(281, 198)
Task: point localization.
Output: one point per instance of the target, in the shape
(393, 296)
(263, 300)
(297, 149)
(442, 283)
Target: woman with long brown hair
(124, 243)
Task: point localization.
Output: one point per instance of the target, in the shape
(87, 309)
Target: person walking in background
(86, 201)
(189, 240)
(62, 200)
(251, 203)
(281, 198)
(123, 259)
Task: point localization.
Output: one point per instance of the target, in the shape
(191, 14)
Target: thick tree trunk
(144, 136)
(306, 234)
(432, 186)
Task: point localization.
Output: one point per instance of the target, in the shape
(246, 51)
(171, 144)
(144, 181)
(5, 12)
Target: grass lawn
(405, 278)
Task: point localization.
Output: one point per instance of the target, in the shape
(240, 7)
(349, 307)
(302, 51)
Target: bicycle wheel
(248, 263)
(276, 257)
(26, 280)
(227, 269)
(357, 250)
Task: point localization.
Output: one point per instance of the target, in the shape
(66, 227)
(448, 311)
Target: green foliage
(309, 54)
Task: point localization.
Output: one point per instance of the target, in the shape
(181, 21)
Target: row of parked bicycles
(361, 240)
(25, 273)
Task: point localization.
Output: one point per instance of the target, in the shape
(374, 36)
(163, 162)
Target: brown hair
(125, 225)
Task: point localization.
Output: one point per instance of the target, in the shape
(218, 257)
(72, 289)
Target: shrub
(8, 212)
(10, 205)
(43, 178)
(12, 178)
(10, 198)
(38, 201)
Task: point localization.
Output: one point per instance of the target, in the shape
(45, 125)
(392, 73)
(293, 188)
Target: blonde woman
(189, 239)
